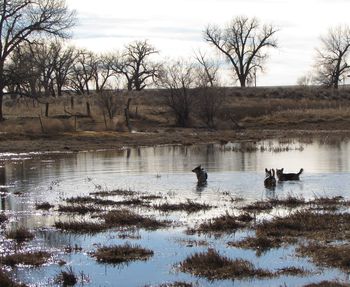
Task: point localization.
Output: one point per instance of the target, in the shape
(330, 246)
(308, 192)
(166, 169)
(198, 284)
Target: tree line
(36, 61)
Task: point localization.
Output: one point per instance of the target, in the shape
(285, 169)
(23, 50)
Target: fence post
(46, 109)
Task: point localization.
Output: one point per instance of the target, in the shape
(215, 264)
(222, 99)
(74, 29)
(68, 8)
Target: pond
(235, 171)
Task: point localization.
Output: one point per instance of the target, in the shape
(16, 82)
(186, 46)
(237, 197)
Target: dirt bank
(87, 140)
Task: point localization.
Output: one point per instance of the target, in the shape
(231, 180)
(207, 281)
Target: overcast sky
(175, 27)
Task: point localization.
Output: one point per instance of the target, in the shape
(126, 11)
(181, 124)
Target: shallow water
(234, 171)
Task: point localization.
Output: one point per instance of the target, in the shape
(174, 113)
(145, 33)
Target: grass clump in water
(308, 224)
(224, 224)
(174, 284)
(67, 277)
(6, 281)
(30, 258)
(213, 266)
(189, 207)
(81, 226)
(80, 209)
(261, 244)
(259, 206)
(122, 254)
(124, 217)
(20, 235)
(43, 206)
(327, 255)
(3, 218)
(327, 284)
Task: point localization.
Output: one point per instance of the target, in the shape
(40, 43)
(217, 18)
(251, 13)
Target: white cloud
(175, 27)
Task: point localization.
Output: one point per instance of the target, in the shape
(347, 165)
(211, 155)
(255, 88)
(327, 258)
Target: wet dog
(287, 176)
(201, 174)
(270, 180)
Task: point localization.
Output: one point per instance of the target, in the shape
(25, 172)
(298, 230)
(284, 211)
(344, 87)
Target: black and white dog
(287, 176)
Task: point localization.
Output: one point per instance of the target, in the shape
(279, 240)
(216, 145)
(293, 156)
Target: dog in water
(201, 174)
(287, 176)
(270, 180)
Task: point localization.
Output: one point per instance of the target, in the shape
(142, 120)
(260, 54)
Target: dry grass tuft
(174, 284)
(224, 224)
(124, 217)
(31, 259)
(3, 218)
(20, 235)
(67, 277)
(122, 254)
(261, 244)
(320, 226)
(81, 226)
(43, 206)
(327, 284)
(6, 281)
(327, 255)
(213, 266)
(80, 209)
(259, 206)
(189, 207)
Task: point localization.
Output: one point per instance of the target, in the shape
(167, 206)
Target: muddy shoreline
(91, 141)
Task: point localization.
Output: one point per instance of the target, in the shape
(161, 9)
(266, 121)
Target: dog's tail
(301, 171)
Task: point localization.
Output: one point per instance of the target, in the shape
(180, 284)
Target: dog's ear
(273, 172)
(266, 170)
(282, 169)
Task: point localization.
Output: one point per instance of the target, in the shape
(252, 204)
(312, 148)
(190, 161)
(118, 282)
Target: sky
(175, 28)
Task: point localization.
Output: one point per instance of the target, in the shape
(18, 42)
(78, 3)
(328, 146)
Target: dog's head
(198, 169)
(279, 172)
(269, 173)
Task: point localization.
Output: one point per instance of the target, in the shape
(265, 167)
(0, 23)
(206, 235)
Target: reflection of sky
(174, 27)
(54, 177)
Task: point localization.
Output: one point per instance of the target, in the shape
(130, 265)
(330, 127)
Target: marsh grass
(20, 235)
(292, 271)
(122, 254)
(189, 207)
(258, 206)
(124, 217)
(90, 200)
(6, 281)
(174, 284)
(81, 227)
(214, 266)
(327, 255)
(308, 224)
(80, 209)
(31, 259)
(260, 244)
(43, 206)
(67, 277)
(3, 218)
(327, 284)
(115, 192)
(223, 224)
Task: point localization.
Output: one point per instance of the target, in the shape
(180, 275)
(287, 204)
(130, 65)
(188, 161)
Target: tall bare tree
(22, 20)
(103, 71)
(332, 56)
(243, 43)
(135, 64)
(82, 72)
(179, 79)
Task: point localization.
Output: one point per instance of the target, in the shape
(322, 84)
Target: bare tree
(21, 20)
(103, 71)
(331, 62)
(207, 70)
(135, 65)
(243, 43)
(109, 102)
(82, 72)
(179, 79)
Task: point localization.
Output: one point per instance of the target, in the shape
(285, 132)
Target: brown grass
(214, 266)
(31, 258)
(81, 226)
(124, 217)
(20, 234)
(67, 277)
(80, 209)
(122, 253)
(224, 224)
(321, 226)
(189, 207)
(43, 206)
(3, 218)
(6, 281)
(174, 284)
(327, 255)
(261, 243)
(259, 206)
(327, 284)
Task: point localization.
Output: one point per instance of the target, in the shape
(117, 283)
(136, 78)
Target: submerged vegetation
(121, 254)
(31, 258)
(214, 266)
